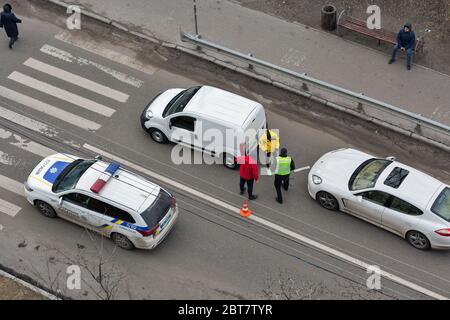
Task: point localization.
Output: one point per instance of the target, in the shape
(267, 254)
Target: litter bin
(329, 17)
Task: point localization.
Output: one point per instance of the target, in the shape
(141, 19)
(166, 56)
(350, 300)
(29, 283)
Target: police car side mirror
(98, 158)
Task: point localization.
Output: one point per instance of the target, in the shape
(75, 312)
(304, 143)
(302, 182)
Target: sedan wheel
(122, 241)
(418, 240)
(328, 201)
(46, 209)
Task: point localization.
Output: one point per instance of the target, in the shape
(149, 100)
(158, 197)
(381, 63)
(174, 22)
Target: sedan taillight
(443, 232)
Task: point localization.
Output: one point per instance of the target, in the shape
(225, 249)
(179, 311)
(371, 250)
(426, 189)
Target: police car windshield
(179, 102)
(68, 179)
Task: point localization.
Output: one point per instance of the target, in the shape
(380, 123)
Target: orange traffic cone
(245, 211)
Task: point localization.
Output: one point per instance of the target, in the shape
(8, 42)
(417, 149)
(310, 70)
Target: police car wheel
(46, 209)
(229, 161)
(158, 136)
(122, 241)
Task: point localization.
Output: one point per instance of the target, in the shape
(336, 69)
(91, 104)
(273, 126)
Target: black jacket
(8, 20)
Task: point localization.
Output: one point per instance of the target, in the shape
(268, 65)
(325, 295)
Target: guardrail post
(304, 85)
(418, 128)
(250, 66)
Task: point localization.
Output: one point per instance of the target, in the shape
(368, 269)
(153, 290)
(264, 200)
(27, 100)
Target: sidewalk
(294, 46)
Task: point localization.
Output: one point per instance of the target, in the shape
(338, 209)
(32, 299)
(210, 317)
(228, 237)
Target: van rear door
(255, 122)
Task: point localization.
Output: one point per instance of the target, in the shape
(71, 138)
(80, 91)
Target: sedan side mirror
(60, 202)
(391, 158)
(359, 199)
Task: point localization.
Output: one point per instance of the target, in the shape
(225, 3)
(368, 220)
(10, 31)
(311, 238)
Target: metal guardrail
(419, 120)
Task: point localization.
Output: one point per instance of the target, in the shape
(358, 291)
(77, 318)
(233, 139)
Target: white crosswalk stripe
(26, 122)
(9, 208)
(11, 185)
(61, 94)
(76, 80)
(26, 144)
(48, 109)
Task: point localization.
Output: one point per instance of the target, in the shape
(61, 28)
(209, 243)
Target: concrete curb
(261, 78)
(40, 291)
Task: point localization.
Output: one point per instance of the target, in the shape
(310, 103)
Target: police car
(103, 197)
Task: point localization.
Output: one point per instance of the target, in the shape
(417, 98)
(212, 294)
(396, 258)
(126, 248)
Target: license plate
(163, 224)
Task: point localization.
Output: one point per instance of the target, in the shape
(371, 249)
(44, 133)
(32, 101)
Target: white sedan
(386, 193)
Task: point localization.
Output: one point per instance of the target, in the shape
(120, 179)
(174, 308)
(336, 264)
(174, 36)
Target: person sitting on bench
(406, 39)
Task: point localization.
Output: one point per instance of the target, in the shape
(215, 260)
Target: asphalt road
(211, 253)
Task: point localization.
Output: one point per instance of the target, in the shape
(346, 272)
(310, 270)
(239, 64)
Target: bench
(382, 35)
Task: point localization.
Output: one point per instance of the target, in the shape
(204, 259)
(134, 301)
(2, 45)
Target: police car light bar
(103, 179)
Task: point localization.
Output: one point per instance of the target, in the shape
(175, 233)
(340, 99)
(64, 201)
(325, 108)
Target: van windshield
(180, 101)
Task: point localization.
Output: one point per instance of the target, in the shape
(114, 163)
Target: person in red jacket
(249, 174)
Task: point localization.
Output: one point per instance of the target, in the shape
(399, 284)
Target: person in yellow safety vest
(269, 143)
(285, 165)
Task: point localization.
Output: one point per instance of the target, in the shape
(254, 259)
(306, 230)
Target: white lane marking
(266, 223)
(61, 94)
(26, 144)
(29, 286)
(68, 57)
(9, 208)
(77, 80)
(47, 109)
(11, 185)
(27, 122)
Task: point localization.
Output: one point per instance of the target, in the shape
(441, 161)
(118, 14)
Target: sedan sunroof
(396, 177)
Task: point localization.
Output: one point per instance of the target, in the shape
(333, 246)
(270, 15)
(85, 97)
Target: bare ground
(429, 14)
(11, 290)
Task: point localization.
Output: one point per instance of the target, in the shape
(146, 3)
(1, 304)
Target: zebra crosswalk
(50, 83)
(61, 87)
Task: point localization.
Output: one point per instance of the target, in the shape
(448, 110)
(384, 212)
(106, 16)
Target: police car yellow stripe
(42, 181)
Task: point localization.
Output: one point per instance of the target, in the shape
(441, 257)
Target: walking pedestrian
(406, 40)
(248, 172)
(9, 21)
(285, 165)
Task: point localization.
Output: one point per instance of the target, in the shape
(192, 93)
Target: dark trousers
(409, 54)
(12, 40)
(249, 186)
(281, 181)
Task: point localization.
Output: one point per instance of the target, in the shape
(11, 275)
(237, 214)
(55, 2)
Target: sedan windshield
(179, 102)
(366, 176)
(68, 179)
(441, 206)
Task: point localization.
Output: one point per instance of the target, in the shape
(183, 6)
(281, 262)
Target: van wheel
(158, 136)
(46, 209)
(418, 240)
(121, 241)
(229, 161)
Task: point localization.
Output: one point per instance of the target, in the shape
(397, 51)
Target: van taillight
(147, 233)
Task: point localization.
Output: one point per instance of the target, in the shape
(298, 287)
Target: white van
(191, 116)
